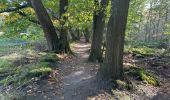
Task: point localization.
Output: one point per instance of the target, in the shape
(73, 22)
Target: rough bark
(47, 25)
(113, 63)
(64, 43)
(98, 29)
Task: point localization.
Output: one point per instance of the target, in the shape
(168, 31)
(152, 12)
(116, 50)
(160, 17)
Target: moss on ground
(144, 50)
(143, 75)
(5, 65)
(148, 77)
(23, 74)
(49, 57)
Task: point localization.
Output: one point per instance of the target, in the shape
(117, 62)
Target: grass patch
(5, 65)
(6, 47)
(25, 73)
(146, 51)
(21, 71)
(143, 75)
(40, 69)
(50, 57)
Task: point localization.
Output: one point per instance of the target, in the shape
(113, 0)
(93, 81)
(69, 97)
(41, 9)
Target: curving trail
(79, 76)
(75, 80)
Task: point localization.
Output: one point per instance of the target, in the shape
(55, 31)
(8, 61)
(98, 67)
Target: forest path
(79, 75)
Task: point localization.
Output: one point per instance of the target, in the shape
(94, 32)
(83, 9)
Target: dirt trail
(76, 81)
(79, 75)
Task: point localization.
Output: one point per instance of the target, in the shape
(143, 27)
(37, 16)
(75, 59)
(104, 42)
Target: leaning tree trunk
(113, 63)
(64, 44)
(98, 29)
(47, 25)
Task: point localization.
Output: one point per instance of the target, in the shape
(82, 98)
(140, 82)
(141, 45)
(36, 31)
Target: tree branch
(31, 20)
(12, 9)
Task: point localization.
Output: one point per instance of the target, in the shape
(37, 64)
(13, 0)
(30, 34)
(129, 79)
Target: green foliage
(148, 77)
(7, 47)
(144, 48)
(81, 13)
(143, 75)
(24, 74)
(5, 65)
(50, 57)
(145, 51)
(40, 69)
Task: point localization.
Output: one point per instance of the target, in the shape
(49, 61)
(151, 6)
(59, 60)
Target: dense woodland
(84, 49)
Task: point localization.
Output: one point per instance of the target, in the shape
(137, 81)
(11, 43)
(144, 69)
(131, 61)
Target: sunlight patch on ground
(12, 56)
(101, 96)
(1, 33)
(77, 77)
(62, 56)
(85, 56)
(150, 91)
(78, 73)
(81, 46)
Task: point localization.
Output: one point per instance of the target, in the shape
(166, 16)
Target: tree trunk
(150, 22)
(47, 25)
(98, 29)
(87, 35)
(113, 63)
(64, 43)
(78, 34)
(75, 34)
(158, 24)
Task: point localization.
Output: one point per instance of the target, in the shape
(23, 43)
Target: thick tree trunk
(98, 29)
(46, 23)
(64, 43)
(113, 63)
